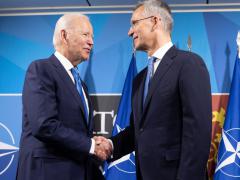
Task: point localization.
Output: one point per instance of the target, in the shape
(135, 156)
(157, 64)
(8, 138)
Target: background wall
(26, 35)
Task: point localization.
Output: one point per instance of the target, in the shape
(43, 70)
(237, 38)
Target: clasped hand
(103, 147)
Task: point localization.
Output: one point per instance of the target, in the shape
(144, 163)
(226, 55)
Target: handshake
(103, 147)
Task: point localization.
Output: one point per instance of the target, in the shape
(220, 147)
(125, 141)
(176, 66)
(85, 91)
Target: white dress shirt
(159, 54)
(68, 66)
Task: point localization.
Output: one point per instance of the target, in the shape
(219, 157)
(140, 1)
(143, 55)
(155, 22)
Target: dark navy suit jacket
(56, 138)
(171, 133)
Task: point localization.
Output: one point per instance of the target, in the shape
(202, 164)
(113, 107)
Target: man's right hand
(103, 147)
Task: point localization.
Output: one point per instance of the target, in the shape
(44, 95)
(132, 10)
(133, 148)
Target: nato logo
(7, 148)
(126, 164)
(229, 153)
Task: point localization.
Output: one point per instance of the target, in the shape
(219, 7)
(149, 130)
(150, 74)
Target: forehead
(138, 13)
(83, 24)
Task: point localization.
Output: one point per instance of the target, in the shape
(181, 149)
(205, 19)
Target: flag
(219, 108)
(228, 165)
(123, 168)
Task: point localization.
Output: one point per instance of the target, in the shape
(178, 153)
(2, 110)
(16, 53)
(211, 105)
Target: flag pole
(134, 50)
(189, 43)
(238, 43)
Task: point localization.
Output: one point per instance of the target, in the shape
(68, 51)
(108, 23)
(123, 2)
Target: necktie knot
(75, 73)
(151, 60)
(150, 66)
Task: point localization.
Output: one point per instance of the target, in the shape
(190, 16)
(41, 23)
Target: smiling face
(80, 39)
(141, 30)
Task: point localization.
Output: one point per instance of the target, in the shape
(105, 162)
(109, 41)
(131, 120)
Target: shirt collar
(162, 50)
(64, 61)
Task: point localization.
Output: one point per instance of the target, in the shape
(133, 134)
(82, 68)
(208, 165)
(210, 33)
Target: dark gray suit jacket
(171, 133)
(56, 138)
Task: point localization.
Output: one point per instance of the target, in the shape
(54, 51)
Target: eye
(133, 23)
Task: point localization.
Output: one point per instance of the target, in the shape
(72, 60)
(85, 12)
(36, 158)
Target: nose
(90, 41)
(130, 32)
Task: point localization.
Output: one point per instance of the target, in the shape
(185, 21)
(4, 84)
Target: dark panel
(105, 111)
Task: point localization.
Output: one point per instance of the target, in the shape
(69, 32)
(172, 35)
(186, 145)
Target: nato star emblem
(229, 154)
(125, 164)
(7, 150)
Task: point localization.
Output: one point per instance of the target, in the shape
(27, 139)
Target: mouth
(88, 50)
(135, 37)
(135, 40)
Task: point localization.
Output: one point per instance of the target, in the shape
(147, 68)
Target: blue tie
(78, 84)
(148, 78)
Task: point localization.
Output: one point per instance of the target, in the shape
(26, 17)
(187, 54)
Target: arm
(41, 108)
(124, 142)
(195, 95)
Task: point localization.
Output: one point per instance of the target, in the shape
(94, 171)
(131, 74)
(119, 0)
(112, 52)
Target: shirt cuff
(92, 147)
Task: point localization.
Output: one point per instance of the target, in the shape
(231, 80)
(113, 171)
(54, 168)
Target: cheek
(144, 36)
(140, 33)
(72, 44)
(77, 42)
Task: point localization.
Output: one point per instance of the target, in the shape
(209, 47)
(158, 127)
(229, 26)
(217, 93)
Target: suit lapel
(163, 67)
(138, 95)
(67, 81)
(89, 105)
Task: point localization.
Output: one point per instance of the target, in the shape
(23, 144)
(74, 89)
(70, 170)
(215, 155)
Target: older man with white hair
(56, 141)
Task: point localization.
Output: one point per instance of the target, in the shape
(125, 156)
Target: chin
(86, 58)
(139, 48)
(136, 46)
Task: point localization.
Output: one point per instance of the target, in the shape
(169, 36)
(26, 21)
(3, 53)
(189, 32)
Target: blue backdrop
(26, 38)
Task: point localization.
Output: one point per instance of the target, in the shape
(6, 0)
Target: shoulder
(41, 68)
(40, 65)
(190, 58)
(41, 73)
(192, 66)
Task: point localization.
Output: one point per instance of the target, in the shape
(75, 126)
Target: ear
(156, 22)
(64, 36)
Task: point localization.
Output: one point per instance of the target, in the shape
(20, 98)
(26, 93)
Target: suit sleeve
(40, 104)
(123, 142)
(195, 93)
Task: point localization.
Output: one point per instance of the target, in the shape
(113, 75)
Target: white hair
(64, 23)
(158, 8)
